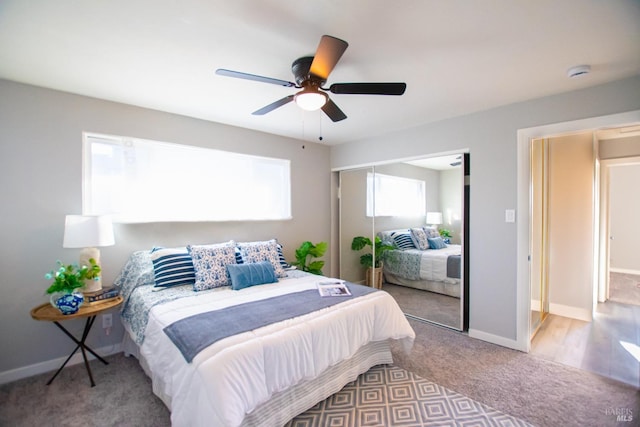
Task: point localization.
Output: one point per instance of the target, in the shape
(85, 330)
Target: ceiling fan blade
(246, 76)
(327, 56)
(273, 106)
(368, 88)
(332, 110)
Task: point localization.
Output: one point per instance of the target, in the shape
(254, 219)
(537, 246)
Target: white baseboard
(54, 364)
(571, 312)
(495, 339)
(624, 270)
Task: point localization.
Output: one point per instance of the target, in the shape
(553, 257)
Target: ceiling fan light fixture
(310, 99)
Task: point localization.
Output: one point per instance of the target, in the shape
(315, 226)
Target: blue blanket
(194, 333)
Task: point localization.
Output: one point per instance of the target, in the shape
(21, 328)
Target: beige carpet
(432, 306)
(538, 391)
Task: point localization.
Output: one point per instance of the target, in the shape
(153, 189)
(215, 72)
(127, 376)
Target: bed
(422, 260)
(260, 375)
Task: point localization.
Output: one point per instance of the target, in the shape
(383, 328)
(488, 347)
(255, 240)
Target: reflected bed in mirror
(425, 281)
(396, 202)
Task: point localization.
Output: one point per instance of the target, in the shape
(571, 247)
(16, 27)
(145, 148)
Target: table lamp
(88, 232)
(434, 218)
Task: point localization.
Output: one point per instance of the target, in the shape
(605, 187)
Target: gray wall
(40, 169)
(491, 137)
(625, 212)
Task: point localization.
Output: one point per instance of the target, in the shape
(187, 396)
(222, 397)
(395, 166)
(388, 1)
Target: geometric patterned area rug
(390, 396)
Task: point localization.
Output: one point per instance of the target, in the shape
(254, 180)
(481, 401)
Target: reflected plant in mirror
(379, 248)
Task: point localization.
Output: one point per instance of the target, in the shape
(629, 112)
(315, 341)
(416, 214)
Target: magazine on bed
(333, 288)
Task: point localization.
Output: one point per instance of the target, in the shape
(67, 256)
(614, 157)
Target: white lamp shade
(434, 218)
(87, 231)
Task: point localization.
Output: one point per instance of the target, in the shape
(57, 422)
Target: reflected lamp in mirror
(434, 218)
(88, 232)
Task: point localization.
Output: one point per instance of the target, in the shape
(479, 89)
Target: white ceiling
(456, 56)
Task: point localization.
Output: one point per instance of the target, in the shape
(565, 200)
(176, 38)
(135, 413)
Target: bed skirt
(451, 289)
(285, 405)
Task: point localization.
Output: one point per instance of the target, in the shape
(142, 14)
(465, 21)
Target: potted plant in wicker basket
(374, 272)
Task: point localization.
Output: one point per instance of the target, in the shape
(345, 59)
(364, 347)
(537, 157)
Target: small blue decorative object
(67, 303)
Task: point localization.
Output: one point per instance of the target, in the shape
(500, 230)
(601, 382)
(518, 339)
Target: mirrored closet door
(412, 213)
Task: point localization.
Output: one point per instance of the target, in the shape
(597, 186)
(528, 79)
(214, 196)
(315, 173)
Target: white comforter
(233, 376)
(433, 263)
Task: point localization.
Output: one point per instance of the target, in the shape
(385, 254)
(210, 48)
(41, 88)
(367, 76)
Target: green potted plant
(67, 280)
(306, 252)
(446, 234)
(378, 248)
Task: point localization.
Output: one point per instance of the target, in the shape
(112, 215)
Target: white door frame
(523, 290)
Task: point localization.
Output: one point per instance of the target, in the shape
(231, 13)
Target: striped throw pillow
(402, 240)
(172, 267)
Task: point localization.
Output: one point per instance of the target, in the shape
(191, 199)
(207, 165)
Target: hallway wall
(571, 233)
(624, 213)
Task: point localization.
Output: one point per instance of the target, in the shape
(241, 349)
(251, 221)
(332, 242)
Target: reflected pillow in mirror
(436, 243)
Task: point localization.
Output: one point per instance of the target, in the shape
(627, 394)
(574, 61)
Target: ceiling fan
(311, 72)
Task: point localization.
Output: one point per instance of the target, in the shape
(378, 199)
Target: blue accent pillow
(251, 274)
(172, 267)
(436, 243)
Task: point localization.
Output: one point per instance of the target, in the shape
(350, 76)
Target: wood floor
(609, 345)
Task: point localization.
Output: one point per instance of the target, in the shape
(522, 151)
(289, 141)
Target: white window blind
(395, 196)
(137, 180)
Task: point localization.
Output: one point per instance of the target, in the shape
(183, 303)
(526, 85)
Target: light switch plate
(510, 215)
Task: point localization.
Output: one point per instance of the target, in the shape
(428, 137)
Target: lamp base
(90, 285)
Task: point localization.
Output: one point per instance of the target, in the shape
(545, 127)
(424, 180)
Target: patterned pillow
(263, 251)
(402, 240)
(172, 267)
(419, 238)
(432, 232)
(210, 263)
(436, 243)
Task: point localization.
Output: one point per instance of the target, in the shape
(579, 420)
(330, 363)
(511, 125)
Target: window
(395, 196)
(137, 180)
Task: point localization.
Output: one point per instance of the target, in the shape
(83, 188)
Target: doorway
(573, 334)
(621, 231)
(525, 136)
